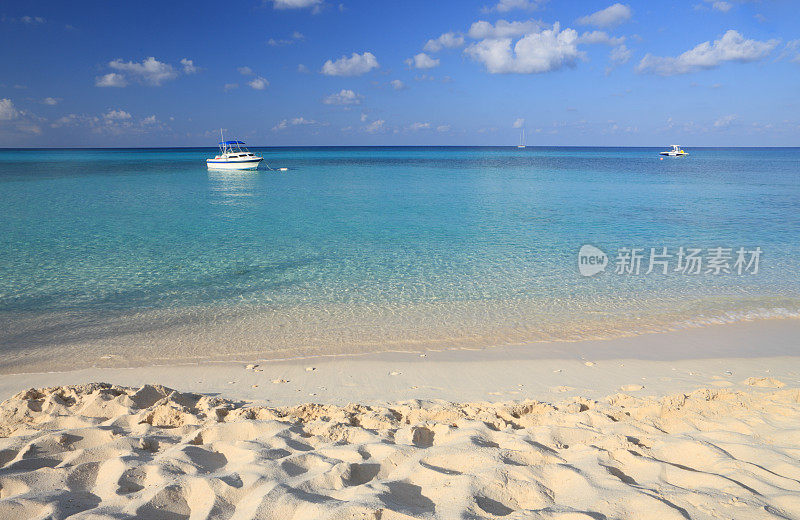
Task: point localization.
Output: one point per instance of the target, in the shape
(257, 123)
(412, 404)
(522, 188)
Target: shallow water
(137, 256)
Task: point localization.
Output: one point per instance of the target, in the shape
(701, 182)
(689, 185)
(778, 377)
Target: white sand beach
(646, 427)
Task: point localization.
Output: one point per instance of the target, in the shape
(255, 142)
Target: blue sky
(353, 72)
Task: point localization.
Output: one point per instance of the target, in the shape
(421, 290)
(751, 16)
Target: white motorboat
(233, 155)
(675, 152)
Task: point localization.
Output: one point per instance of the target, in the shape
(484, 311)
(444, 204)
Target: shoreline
(662, 363)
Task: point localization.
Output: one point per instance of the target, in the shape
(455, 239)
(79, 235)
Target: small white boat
(233, 155)
(675, 152)
(522, 140)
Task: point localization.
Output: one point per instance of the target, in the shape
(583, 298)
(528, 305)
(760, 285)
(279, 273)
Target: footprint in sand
(764, 382)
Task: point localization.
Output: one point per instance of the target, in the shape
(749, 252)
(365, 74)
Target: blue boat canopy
(231, 142)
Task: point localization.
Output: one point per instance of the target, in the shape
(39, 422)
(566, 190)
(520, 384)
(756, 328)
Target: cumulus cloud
(418, 126)
(117, 115)
(600, 37)
(725, 121)
(504, 6)
(721, 6)
(397, 84)
(50, 101)
(544, 51)
(150, 71)
(294, 38)
(258, 83)
(302, 69)
(297, 4)
(343, 97)
(112, 79)
(297, 121)
(245, 71)
(620, 55)
(448, 40)
(189, 66)
(355, 65)
(519, 123)
(503, 29)
(707, 55)
(422, 61)
(114, 122)
(375, 126)
(8, 111)
(611, 16)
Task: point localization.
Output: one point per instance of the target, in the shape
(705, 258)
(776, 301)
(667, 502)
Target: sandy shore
(694, 424)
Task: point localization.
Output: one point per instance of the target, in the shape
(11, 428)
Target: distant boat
(233, 156)
(675, 152)
(522, 140)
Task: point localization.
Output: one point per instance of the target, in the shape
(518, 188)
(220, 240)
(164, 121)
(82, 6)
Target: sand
(104, 451)
(693, 424)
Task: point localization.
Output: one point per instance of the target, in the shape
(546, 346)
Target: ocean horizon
(131, 256)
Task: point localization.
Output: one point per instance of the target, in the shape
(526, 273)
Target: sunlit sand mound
(103, 451)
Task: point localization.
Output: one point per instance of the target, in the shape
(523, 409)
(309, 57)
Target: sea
(131, 257)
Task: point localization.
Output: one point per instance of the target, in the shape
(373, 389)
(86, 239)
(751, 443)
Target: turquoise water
(137, 256)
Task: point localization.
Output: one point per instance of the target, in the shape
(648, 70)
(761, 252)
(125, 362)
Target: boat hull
(233, 165)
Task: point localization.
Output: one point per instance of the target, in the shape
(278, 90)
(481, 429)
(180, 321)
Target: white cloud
(32, 19)
(189, 66)
(519, 123)
(792, 51)
(150, 120)
(375, 126)
(230, 86)
(596, 37)
(418, 126)
(422, 61)
(721, 6)
(112, 79)
(504, 6)
(150, 71)
(397, 84)
(503, 29)
(620, 55)
(117, 115)
(724, 122)
(707, 55)
(258, 83)
(296, 4)
(297, 121)
(448, 40)
(343, 97)
(355, 65)
(545, 51)
(609, 17)
(50, 101)
(8, 111)
(294, 38)
(443, 128)
(364, 118)
(245, 71)
(302, 69)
